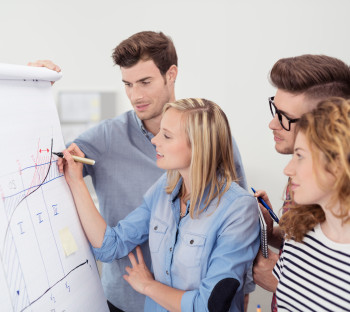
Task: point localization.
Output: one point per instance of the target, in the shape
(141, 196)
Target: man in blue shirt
(125, 157)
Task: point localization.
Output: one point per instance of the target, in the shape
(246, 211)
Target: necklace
(183, 202)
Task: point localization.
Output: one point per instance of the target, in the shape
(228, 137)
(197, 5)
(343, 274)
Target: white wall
(225, 49)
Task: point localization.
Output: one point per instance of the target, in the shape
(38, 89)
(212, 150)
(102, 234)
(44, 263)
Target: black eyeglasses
(284, 120)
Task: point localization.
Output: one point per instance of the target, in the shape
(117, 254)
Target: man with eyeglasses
(301, 83)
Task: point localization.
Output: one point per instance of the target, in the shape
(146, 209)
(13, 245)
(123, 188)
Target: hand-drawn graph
(38, 220)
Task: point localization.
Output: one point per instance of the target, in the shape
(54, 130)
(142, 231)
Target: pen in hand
(78, 159)
(272, 214)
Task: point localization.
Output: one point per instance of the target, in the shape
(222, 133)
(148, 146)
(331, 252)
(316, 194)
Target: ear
(171, 74)
(338, 167)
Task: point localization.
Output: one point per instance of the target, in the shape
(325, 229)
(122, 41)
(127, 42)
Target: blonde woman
(313, 271)
(202, 227)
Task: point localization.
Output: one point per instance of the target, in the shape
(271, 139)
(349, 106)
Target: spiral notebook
(263, 235)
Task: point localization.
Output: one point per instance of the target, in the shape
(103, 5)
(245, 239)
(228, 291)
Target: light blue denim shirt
(190, 254)
(125, 169)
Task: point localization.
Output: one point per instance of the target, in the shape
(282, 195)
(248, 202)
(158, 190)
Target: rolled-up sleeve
(130, 232)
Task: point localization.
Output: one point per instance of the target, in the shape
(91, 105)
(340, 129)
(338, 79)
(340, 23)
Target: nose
(289, 170)
(135, 94)
(154, 140)
(275, 123)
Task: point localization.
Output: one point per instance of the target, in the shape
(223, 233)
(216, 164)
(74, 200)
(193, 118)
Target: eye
(298, 156)
(167, 137)
(145, 82)
(127, 84)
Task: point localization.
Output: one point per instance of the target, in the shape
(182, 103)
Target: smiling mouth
(293, 186)
(159, 154)
(276, 138)
(141, 107)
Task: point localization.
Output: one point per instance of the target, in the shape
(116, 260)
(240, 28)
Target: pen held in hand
(78, 159)
(272, 214)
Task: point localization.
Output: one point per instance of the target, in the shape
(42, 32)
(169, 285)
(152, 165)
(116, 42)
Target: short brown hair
(327, 130)
(317, 76)
(146, 45)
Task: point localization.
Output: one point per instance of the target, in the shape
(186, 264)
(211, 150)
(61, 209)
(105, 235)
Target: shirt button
(191, 241)
(171, 249)
(167, 272)
(155, 228)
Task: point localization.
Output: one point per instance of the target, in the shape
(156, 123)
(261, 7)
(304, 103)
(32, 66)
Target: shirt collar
(147, 134)
(175, 193)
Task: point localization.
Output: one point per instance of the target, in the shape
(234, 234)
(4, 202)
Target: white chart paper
(46, 263)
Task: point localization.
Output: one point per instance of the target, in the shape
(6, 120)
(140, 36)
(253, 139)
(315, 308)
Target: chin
(141, 115)
(301, 201)
(284, 150)
(162, 166)
(159, 165)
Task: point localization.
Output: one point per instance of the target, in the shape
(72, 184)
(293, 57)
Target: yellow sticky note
(67, 241)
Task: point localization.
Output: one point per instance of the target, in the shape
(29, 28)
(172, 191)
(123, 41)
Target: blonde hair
(212, 163)
(327, 130)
